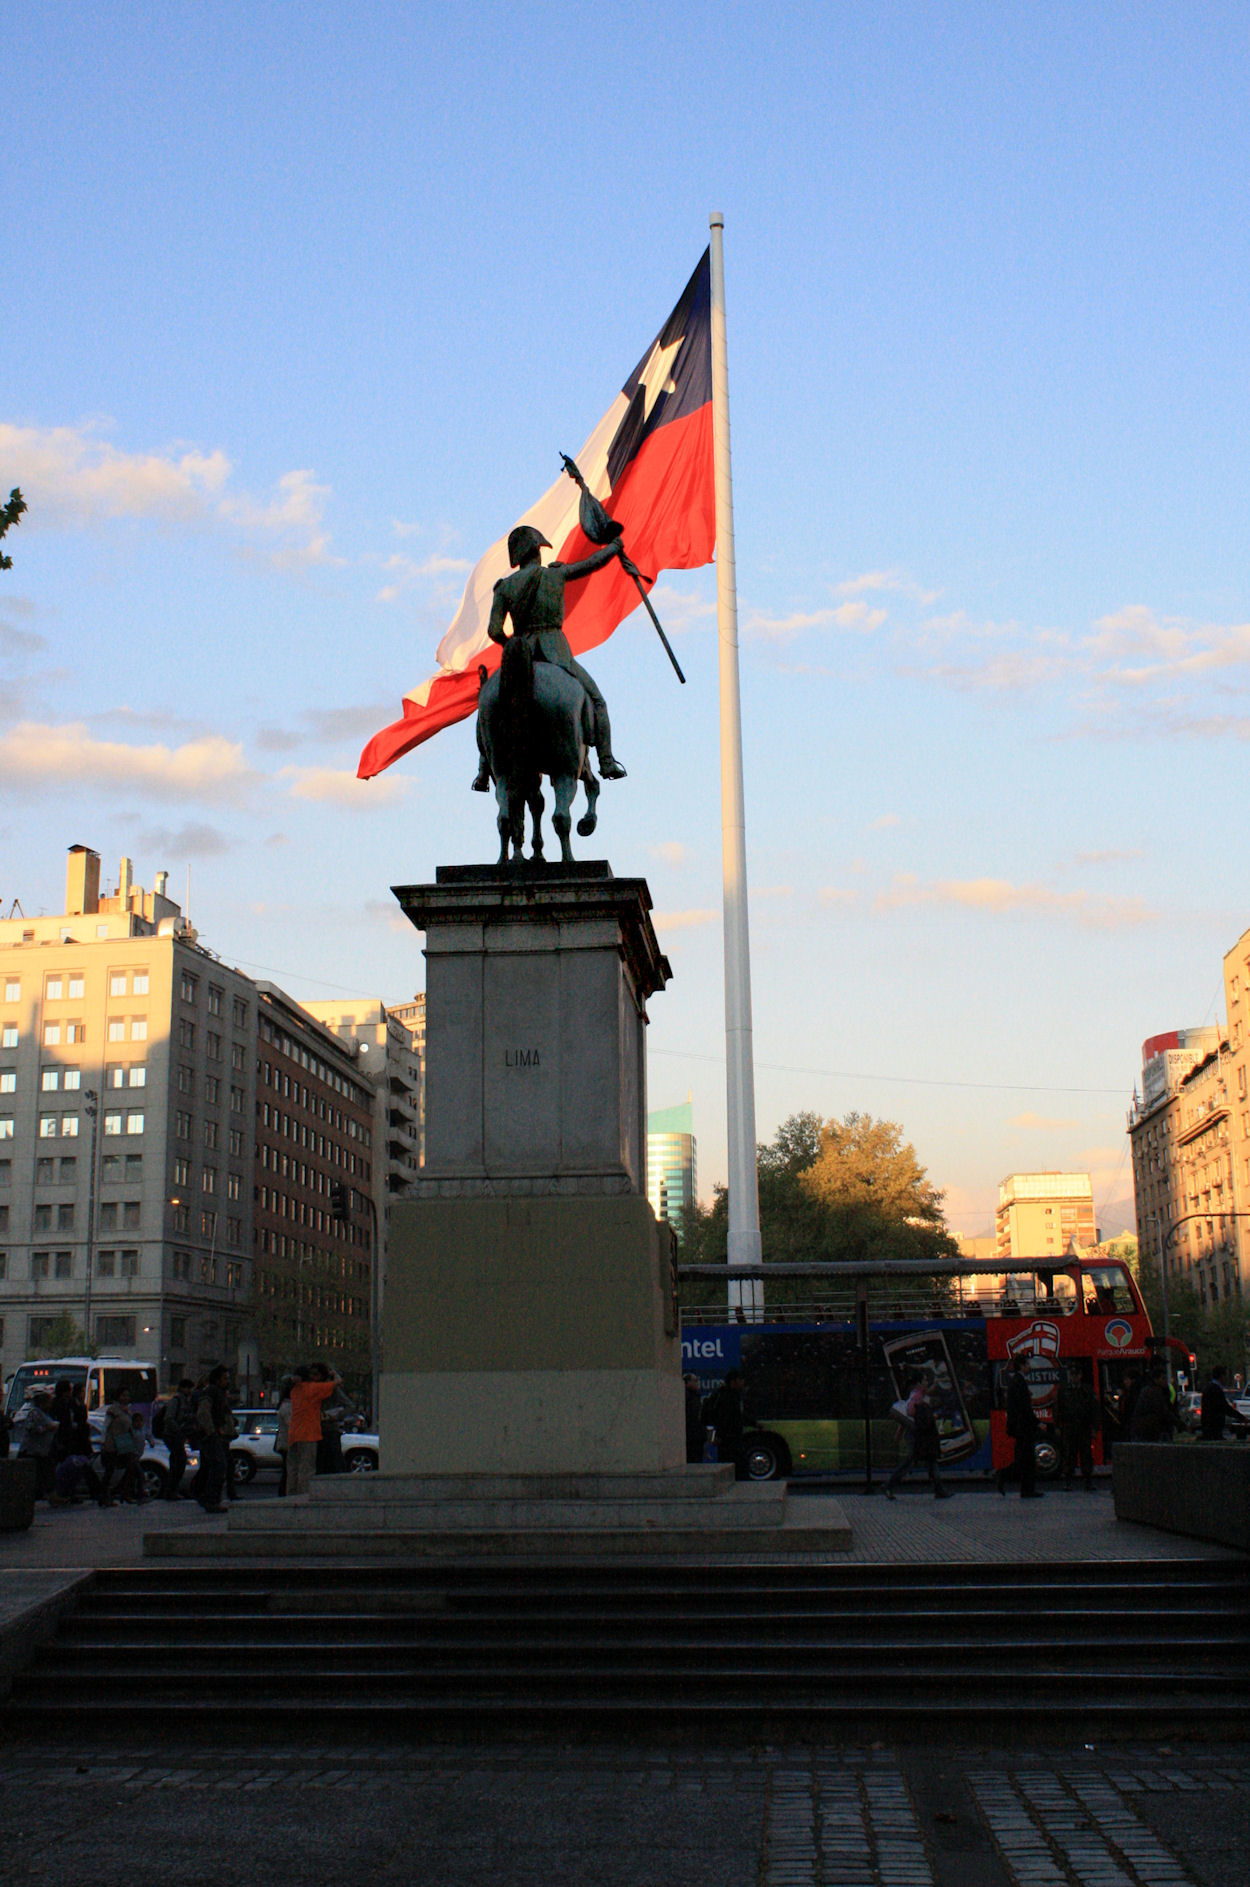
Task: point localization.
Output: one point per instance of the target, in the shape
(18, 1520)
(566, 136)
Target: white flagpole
(744, 1204)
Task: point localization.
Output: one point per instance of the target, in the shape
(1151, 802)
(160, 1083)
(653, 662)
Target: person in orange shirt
(314, 1384)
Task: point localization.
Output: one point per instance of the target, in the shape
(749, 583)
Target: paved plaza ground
(1155, 1808)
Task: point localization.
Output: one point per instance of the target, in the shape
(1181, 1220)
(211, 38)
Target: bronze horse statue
(534, 718)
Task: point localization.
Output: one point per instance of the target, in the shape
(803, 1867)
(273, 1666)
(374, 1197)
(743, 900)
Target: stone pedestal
(531, 1321)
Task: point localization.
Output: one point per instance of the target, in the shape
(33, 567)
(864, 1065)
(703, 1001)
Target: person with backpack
(170, 1424)
(722, 1412)
(121, 1452)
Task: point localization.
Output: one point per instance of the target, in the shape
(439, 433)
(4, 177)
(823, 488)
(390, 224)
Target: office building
(1044, 1215)
(1182, 1132)
(672, 1176)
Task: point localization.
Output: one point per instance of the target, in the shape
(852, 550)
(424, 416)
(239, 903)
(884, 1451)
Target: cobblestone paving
(619, 1815)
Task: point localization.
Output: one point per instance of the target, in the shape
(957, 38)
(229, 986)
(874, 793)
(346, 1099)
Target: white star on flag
(655, 375)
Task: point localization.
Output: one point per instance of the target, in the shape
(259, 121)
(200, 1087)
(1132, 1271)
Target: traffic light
(338, 1201)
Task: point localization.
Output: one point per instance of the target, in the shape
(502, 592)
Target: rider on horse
(533, 595)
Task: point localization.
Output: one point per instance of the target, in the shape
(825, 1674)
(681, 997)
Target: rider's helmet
(522, 541)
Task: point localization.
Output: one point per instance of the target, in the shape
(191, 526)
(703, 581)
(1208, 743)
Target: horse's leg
(590, 818)
(503, 820)
(536, 817)
(564, 787)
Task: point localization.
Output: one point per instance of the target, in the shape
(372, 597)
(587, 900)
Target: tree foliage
(830, 1191)
(63, 1337)
(1215, 1333)
(9, 515)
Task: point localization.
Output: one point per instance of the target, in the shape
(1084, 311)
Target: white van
(103, 1376)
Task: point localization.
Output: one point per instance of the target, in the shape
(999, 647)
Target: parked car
(360, 1453)
(252, 1450)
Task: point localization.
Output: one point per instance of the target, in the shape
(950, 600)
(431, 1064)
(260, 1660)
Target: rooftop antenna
(188, 909)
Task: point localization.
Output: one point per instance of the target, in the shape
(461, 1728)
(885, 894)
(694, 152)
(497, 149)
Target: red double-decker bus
(822, 1372)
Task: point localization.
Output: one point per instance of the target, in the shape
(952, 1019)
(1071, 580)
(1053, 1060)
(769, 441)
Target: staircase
(751, 1644)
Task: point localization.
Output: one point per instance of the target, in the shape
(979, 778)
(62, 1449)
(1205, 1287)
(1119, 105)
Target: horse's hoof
(586, 824)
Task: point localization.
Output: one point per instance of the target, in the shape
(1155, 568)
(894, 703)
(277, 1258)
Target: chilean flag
(649, 462)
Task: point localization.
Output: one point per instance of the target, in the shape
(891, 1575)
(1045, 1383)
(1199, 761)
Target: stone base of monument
(690, 1512)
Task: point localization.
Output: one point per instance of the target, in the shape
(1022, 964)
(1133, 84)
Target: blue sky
(299, 306)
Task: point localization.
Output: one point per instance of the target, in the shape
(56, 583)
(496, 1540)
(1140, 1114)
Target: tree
(829, 1191)
(9, 515)
(63, 1337)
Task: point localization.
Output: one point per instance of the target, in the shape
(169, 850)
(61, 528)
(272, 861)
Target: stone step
(744, 1506)
(808, 1533)
(698, 1482)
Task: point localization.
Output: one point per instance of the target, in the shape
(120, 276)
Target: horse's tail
(514, 741)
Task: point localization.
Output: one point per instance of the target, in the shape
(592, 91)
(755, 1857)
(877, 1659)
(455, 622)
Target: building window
(8, 1035)
(39, 1262)
(65, 1218)
(141, 983)
(182, 1126)
(134, 1168)
(77, 988)
(75, 1032)
(234, 1277)
(47, 1126)
(138, 1028)
(178, 1333)
(6, 1126)
(186, 1033)
(182, 1266)
(137, 1077)
(40, 1331)
(186, 1079)
(115, 1333)
(236, 1142)
(55, 990)
(212, 1090)
(233, 1186)
(130, 1263)
(134, 1123)
(69, 1126)
(208, 1182)
(64, 1263)
(236, 1100)
(182, 1172)
(117, 983)
(110, 1169)
(234, 1236)
(43, 1223)
(112, 1124)
(6, 1173)
(182, 1219)
(71, 1078)
(108, 1216)
(214, 999)
(115, 1077)
(4, 1265)
(105, 1264)
(188, 986)
(49, 1080)
(238, 1056)
(51, 1034)
(8, 1081)
(240, 1013)
(69, 1170)
(132, 1213)
(213, 1046)
(212, 1135)
(117, 1029)
(12, 989)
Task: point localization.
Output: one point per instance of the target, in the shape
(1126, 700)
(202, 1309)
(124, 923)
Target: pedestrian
(179, 1412)
(918, 1424)
(1154, 1418)
(215, 1430)
(310, 1389)
(335, 1410)
(1215, 1405)
(1077, 1412)
(74, 1446)
(39, 1435)
(723, 1414)
(1022, 1428)
(696, 1427)
(120, 1453)
(282, 1435)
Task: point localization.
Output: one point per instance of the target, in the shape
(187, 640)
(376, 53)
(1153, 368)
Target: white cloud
(670, 852)
(877, 581)
(884, 823)
(406, 571)
(1000, 898)
(1041, 1123)
(71, 476)
(339, 787)
(684, 920)
(46, 757)
(192, 840)
(781, 628)
(837, 894)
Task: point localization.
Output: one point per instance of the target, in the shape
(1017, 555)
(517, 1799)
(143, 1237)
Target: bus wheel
(1046, 1456)
(768, 1458)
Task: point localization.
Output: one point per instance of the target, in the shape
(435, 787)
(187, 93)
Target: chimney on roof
(82, 881)
(162, 884)
(125, 883)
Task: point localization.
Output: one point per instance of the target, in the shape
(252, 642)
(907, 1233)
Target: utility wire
(911, 1081)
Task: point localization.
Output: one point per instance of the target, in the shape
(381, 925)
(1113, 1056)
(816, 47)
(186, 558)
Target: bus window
(1107, 1292)
(1056, 1293)
(139, 1378)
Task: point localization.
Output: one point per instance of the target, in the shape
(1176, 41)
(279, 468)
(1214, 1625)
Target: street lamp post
(91, 1102)
(1165, 1239)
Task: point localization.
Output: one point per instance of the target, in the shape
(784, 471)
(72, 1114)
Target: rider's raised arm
(498, 610)
(586, 565)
